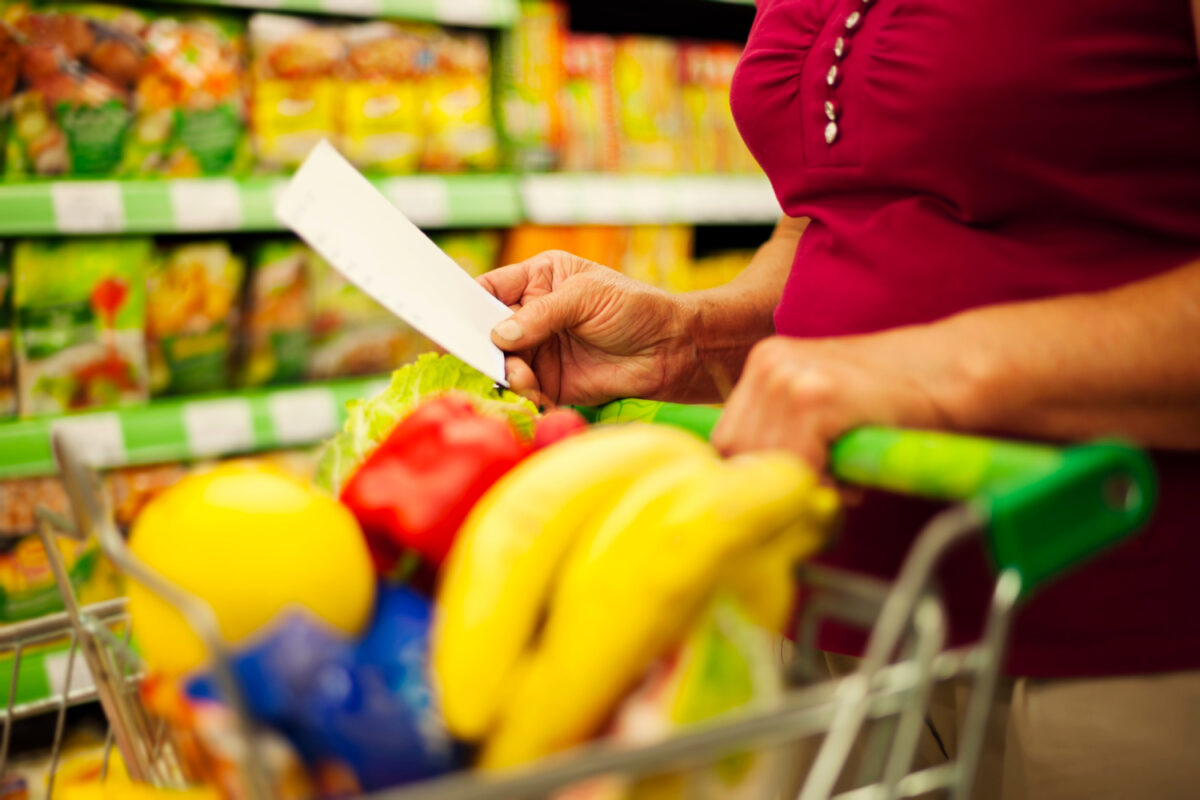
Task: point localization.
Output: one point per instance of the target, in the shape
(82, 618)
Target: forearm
(726, 322)
(1124, 362)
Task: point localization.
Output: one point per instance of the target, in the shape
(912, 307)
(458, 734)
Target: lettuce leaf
(370, 421)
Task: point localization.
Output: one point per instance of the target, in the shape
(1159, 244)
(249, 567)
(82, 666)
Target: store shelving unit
(228, 204)
(480, 13)
(570, 199)
(187, 428)
(431, 201)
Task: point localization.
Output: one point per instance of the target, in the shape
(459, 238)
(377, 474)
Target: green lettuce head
(369, 422)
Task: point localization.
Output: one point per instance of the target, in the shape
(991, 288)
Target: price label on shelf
(468, 12)
(88, 207)
(97, 438)
(218, 427)
(303, 416)
(425, 201)
(206, 205)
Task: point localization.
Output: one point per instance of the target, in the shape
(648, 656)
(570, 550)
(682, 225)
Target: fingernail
(509, 330)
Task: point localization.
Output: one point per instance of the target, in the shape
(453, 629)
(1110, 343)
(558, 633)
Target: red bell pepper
(415, 490)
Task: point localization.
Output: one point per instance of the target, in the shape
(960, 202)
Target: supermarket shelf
(479, 13)
(188, 428)
(227, 204)
(566, 199)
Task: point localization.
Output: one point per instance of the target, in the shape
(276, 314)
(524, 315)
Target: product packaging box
(80, 309)
(529, 77)
(277, 314)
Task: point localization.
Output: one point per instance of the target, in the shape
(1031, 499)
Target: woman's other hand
(585, 334)
(801, 395)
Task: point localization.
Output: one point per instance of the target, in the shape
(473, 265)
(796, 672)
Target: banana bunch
(590, 560)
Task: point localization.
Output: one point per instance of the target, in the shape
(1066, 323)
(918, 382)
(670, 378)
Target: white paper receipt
(352, 225)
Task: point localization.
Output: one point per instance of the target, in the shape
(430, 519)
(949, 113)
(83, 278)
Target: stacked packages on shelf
(111, 91)
(113, 321)
(597, 103)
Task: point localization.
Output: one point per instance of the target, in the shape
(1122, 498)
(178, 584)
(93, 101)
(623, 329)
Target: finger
(508, 284)
(540, 318)
(521, 378)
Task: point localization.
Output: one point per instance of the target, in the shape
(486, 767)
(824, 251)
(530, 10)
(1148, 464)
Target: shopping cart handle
(1047, 508)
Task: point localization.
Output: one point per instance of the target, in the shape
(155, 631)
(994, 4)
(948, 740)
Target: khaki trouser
(1123, 738)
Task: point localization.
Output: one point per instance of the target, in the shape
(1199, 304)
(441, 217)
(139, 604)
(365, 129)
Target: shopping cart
(1040, 510)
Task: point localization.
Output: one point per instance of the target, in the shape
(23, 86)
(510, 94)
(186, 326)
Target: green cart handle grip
(1046, 508)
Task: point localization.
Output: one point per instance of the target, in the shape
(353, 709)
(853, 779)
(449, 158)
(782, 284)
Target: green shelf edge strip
(215, 205)
(229, 204)
(184, 429)
(474, 13)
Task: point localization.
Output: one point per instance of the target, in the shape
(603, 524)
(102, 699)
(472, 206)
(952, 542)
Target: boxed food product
(590, 141)
(74, 97)
(386, 72)
(704, 150)
(476, 252)
(275, 332)
(8, 367)
(351, 334)
(649, 112)
(191, 316)
(462, 131)
(189, 117)
(295, 65)
(529, 75)
(80, 308)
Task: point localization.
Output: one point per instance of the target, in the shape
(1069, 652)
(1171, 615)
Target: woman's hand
(585, 334)
(801, 395)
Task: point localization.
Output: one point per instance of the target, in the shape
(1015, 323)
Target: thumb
(539, 319)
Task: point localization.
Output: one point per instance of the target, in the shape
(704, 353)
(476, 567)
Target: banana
(631, 587)
(508, 553)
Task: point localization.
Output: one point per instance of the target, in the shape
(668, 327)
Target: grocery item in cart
(296, 67)
(350, 333)
(254, 543)
(590, 139)
(363, 710)
(191, 316)
(27, 585)
(190, 103)
(726, 663)
(74, 99)
(387, 71)
(649, 111)
(277, 316)
(461, 126)
(8, 366)
(529, 77)
(369, 422)
(80, 307)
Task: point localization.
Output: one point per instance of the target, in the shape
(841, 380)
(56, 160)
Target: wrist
(714, 336)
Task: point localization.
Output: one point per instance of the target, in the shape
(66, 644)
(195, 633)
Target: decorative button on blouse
(840, 46)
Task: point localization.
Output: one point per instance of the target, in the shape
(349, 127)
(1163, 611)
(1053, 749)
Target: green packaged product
(275, 343)
(351, 333)
(80, 313)
(8, 367)
(476, 252)
(73, 101)
(529, 75)
(191, 317)
(189, 101)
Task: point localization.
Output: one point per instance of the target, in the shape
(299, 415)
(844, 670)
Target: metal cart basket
(1039, 510)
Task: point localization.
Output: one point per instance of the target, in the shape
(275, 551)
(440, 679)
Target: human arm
(583, 333)
(1123, 362)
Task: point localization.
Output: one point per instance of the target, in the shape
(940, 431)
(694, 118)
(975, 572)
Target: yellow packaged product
(649, 107)
(462, 133)
(387, 70)
(590, 141)
(530, 78)
(295, 100)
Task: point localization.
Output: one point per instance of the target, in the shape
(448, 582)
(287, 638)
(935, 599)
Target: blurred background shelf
(228, 204)
(478, 13)
(186, 429)
(565, 199)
